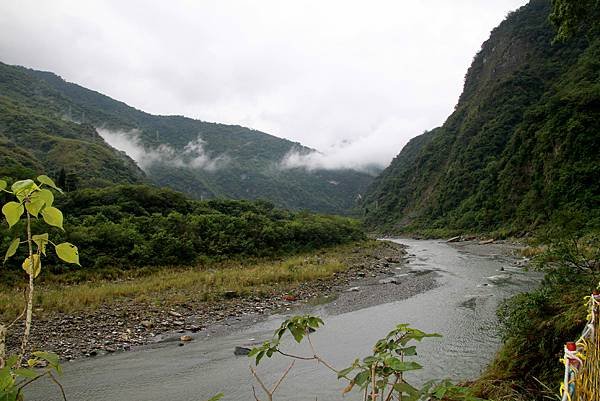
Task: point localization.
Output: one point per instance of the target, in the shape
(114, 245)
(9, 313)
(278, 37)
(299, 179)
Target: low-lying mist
(192, 156)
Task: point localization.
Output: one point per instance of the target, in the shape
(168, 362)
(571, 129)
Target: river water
(461, 308)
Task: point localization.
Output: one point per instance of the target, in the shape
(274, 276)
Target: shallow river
(461, 308)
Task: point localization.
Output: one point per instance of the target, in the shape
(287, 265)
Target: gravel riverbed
(375, 275)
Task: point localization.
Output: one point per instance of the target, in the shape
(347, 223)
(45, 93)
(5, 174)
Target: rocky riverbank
(119, 326)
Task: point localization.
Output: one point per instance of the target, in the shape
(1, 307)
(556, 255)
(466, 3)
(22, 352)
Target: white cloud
(192, 156)
(317, 72)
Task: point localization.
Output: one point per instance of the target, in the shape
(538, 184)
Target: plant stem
(2, 344)
(29, 313)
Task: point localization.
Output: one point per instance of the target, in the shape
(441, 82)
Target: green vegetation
(521, 145)
(35, 138)
(174, 285)
(30, 200)
(536, 325)
(380, 376)
(48, 124)
(127, 227)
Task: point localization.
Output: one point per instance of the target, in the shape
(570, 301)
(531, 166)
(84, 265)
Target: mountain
(522, 144)
(33, 139)
(201, 159)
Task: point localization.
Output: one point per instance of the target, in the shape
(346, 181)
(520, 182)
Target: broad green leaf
(216, 397)
(297, 332)
(37, 266)
(13, 212)
(408, 351)
(400, 366)
(11, 361)
(34, 206)
(46, 195)
(361, 378)
(44, 179)
(53, 216)
(3, 184)
(49, 357)
(23, 188)
(259, 356)
(27, 373)
(67, 252)
(41, 240)
(12, 248)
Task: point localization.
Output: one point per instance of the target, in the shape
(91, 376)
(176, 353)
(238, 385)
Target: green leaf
(37, 266)
(440, 392)
(67, 252)
(362, 377)
(344, 372)
(408, 351)
(53, 216)
(44, 179)
(3, 184)
(259, 356)
(27, 373)
(12, 249)
(34, 206)
(23, 188)
(13, 212)
(49, 357)
(41, 240)
(216, 397)
(297, 332)
(12, 361)
(400, 366)
(46, 195)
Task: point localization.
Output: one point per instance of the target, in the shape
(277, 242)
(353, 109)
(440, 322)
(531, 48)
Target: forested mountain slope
(522, 143)
(34, 138)
(201, 159)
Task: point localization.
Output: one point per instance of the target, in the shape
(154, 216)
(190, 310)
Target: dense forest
(522, 144)
(46, 118)
(130, 226)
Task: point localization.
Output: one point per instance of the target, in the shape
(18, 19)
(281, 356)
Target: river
(462, 308)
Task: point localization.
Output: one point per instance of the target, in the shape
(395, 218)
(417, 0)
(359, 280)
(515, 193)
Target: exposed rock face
(521, 145)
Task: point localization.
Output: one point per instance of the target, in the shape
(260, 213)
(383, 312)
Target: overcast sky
(353, 79)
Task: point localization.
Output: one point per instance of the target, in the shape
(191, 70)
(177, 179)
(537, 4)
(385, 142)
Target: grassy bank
(535, 327)
(169, 285)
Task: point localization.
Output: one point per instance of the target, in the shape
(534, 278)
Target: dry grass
(170, 285)
(532, 251)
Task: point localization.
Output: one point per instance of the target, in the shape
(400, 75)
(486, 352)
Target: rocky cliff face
(522, 143)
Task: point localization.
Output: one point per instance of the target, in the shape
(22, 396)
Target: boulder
(241, 351)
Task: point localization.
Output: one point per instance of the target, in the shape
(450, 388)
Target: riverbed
(469, 283)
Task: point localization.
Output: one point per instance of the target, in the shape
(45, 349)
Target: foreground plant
(32, 200)
(380, 376)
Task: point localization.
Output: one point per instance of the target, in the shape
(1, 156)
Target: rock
(290, 298)
(361, 274)
(241, 351)
(390, 280)
(178, 322)
(174, 314)
(487, 241)
(185, 338)
(147, 324)
(455, 239)
(353, 289)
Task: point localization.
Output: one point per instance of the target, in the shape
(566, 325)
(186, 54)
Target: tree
(572, 17)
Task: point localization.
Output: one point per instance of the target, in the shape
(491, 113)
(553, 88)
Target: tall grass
(170, 285)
